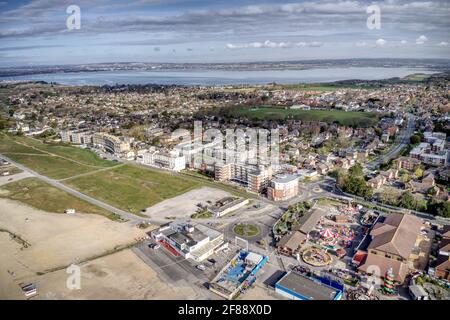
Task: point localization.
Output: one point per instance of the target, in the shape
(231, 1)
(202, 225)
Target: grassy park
(53, 160)
(43, 196)
(128, 187)
(132, 188)
(347, 118)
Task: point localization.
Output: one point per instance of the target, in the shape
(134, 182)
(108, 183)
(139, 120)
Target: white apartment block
(167, 160)
(256, 178)
(76, 136)
(110, 143)
(433, 153)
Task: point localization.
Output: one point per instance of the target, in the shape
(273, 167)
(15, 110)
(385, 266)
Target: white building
(167, 160)
(111, 144)
(76, 136)
(432, 154)
(192, 241)
(283, 188)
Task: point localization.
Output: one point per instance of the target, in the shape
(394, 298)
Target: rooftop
(307, 287)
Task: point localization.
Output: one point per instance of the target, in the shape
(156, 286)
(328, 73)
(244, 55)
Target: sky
(35, 32)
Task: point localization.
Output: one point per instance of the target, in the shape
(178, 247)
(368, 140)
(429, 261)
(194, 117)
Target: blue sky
(35, 33)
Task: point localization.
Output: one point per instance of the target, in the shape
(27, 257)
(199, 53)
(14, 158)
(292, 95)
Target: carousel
(316, 257)
(368, 218)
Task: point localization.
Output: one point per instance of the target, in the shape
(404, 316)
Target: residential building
(408, 163)
(432, 154)
(442, 265)
(255, 178)
(167, 160)
(76, 136)
(283, 188)
(110, 143)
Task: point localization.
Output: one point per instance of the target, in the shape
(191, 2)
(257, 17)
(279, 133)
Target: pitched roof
(373, 262)
(446, 231)
(445, 245)
(397, 234)
(292, 241)
(443, 262)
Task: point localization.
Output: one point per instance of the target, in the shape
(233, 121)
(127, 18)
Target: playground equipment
(388, 285)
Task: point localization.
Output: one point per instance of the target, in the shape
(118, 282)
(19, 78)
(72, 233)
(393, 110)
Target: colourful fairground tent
(327, 233)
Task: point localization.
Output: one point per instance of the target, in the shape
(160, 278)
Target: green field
(21, 144)
(350, 118)
(322, 87)
(132, 188)
(54, 161)
(45, 197)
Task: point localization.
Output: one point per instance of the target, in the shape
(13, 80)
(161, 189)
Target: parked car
(154, 246)
(201, 267)
(212, 261)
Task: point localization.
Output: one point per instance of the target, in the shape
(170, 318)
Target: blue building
(296, 286)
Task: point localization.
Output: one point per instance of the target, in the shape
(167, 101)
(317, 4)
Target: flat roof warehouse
(296, 286)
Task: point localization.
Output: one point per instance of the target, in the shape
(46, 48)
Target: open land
(43, 196)
(37, 242)
(132, 188)
(348, 118)
(54, 161)
(183, 206)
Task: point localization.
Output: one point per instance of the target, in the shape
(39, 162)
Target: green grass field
(83, 156)
(246, 230)
(54, 161)
(356, 119)
(132, 188)
(43, 196)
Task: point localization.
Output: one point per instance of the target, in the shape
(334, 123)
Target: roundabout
(246, 230)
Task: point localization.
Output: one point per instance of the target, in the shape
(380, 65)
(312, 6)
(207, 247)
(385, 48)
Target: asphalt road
(404, 141)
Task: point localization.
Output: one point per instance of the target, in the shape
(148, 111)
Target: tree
(418, 173)
(378, 132)
(357, 185)
(414, 139)
(405, 178)
(407, 200)
(356, 170)
(443, 209)
(440, 208)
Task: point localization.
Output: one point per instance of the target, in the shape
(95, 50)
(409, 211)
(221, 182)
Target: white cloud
(421, 40)
(403, 42)
(361, 44)
(315, 44)
(443, 44)
(380, 42)
(272, 44)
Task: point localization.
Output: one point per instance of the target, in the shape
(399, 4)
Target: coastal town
(344, 194)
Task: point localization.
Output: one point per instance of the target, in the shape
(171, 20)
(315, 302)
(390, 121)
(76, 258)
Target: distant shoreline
(429, 64)
(222, 77)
